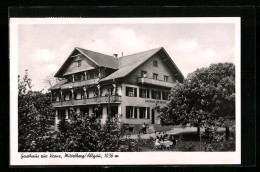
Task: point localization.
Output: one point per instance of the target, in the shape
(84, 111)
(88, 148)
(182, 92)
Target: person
(166, 136)
(157, 143)
(144, 128)
(174, 141)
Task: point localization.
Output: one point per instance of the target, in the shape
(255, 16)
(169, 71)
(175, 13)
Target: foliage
(50, 80)
(34, 111)
(88, 135)
(215, 141)
(204, 96)
(78, 134)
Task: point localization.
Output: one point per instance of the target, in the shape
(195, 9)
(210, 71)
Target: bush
(215, 141)
(88, 135)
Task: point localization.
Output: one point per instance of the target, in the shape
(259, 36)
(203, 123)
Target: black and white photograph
(95, 91)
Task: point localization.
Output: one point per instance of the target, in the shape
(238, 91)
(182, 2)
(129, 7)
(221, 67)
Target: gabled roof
(98, 59)
(128, 63)
(125, 65)
(58, 85)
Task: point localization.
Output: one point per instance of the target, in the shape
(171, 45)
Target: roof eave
(181, 75)
(77, 48)
(58, 73)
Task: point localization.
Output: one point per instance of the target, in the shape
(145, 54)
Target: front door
(152, 116)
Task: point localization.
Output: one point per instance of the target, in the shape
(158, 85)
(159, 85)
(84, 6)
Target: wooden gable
(70, 65)
(74, 68)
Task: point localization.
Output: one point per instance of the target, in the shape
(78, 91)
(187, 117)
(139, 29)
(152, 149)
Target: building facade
(128, 87)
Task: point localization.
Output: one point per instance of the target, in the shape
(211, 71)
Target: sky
(43, 48)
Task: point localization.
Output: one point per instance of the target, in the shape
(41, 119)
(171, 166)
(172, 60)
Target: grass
(186, 142)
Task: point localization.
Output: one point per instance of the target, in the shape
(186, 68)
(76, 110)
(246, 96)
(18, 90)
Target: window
(92, 74)
(95, 74)
(131, 112)
(144, 93)
(61, 114)
(156, 94)
(95, 93)
(166, 78)
(110, 91)
(84, 112)
(97, 112)
(144, 112)
(69, 78)
(155, 64)
(114, 111)
(69, 114)
(79, 63)
(155, 76)
(143, 74)
(165, 95)
(131, 92)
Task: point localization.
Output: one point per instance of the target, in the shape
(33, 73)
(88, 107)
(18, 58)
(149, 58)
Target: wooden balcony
(149, 81)
(88, 101)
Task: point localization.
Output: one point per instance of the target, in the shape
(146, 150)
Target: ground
(189, 141)
(170, 131)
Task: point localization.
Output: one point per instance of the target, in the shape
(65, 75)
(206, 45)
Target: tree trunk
(227, 133)
(198, 132)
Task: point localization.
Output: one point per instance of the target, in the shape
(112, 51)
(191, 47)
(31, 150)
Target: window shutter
(159, 94)
(135, 90)
(140, 113)
(140, 92)
(127, 112)
(148, 93)
(126, 91)
(135, 112)
(148, 112)
(68, 113)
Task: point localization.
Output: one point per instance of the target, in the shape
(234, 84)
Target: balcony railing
(88, 101)
(149, 81)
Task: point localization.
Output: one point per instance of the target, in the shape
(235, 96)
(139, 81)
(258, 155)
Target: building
(131, 86)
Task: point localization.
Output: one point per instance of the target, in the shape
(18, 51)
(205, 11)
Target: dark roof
(100, 59)
(58, 85)
(128, 63)
(125, 65)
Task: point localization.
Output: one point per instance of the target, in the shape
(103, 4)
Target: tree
(80, 134)
(206, 97)
(87, 134)
(34, 113)
(50, 80)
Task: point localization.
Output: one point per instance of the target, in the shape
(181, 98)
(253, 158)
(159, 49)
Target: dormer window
(79, 63)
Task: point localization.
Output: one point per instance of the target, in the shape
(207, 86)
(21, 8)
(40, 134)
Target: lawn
(186, 142)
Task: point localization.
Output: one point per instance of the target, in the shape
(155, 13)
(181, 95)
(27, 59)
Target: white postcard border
(125, 158)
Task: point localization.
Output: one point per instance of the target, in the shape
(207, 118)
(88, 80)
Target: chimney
(115, 55)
